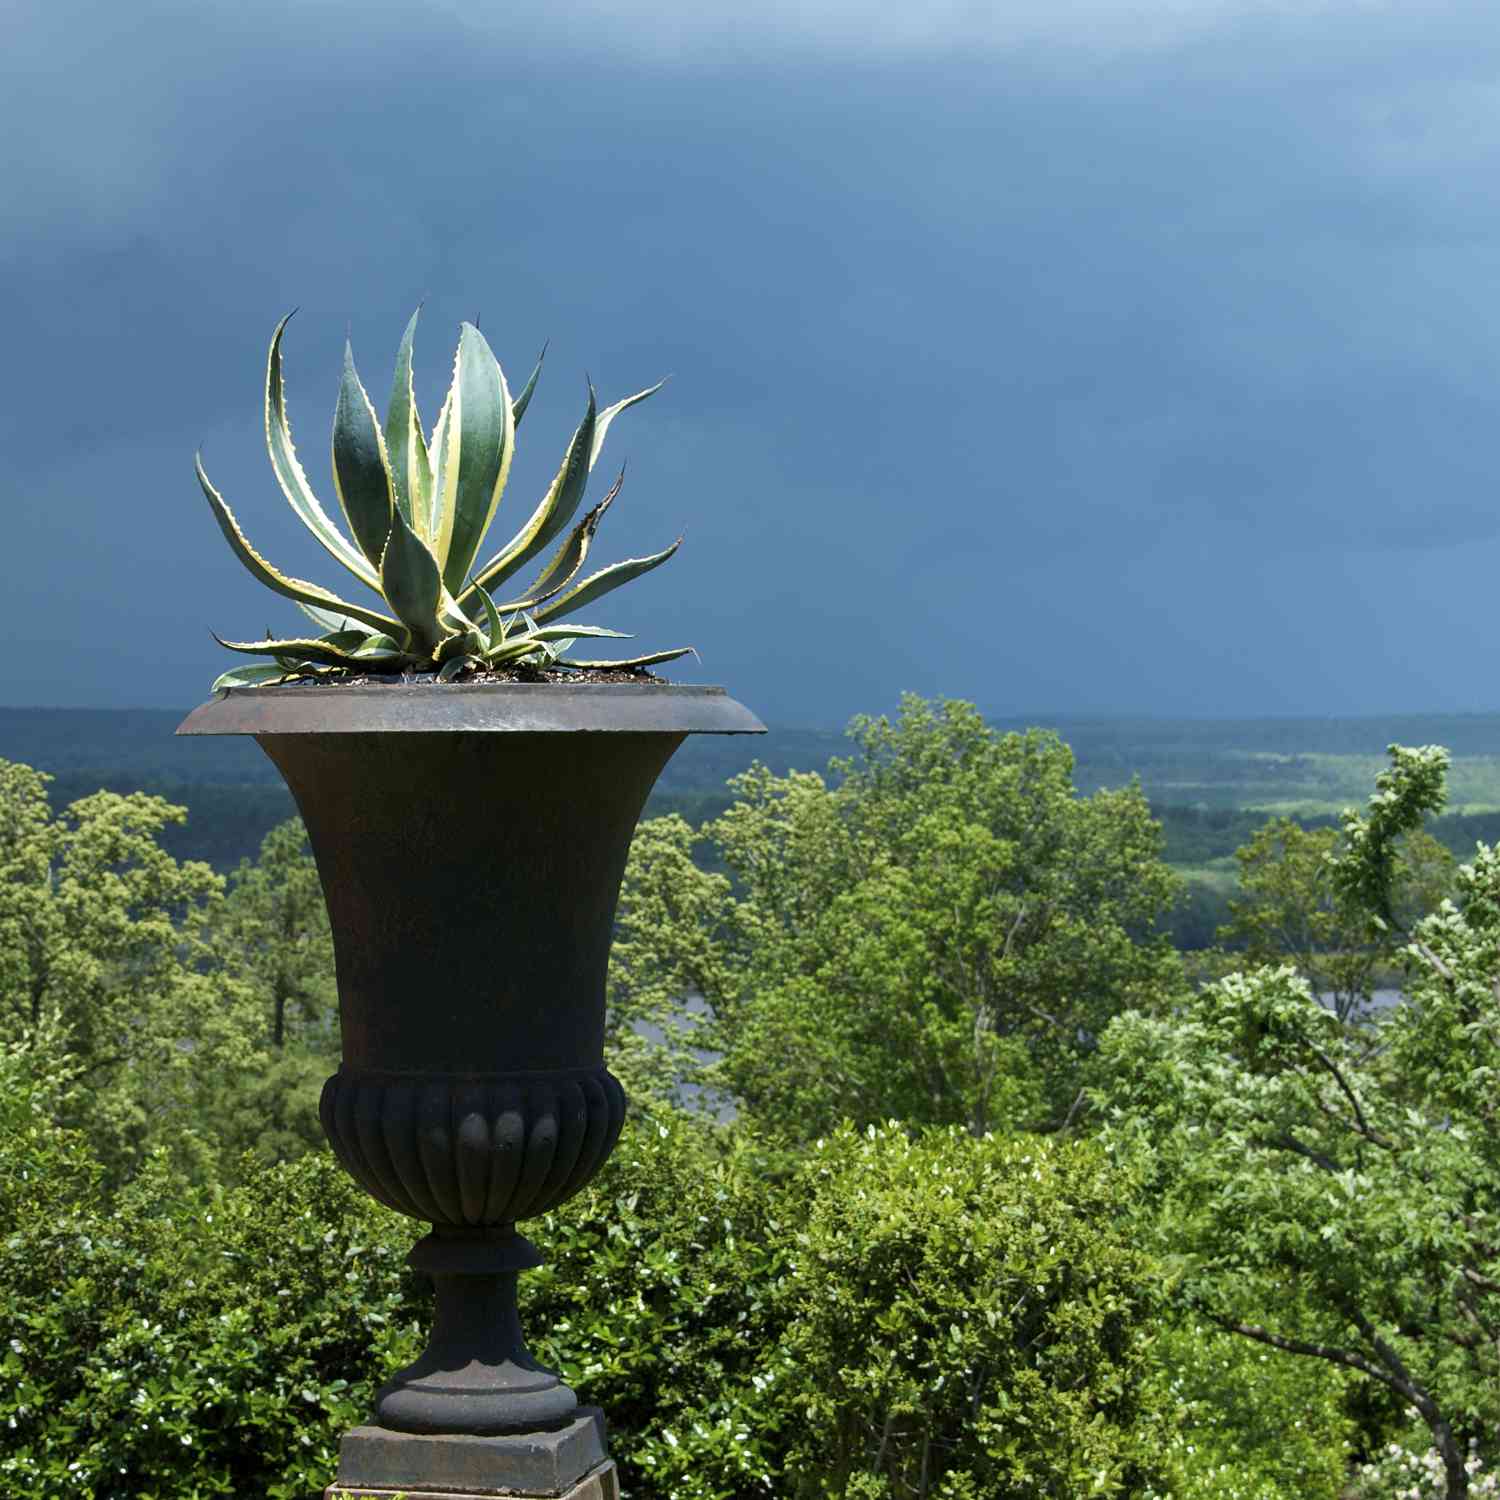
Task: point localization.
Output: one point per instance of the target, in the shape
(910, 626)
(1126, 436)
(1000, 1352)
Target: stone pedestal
(601, 1484)
(568, 1464)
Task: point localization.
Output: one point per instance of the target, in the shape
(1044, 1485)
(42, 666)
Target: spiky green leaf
(569, 558)
(361, 470)
(290, 476)
(514, 650)
(443, 455)
(412, 584)
(519, 405)
(634, 662)
(555, 508)
(411, 477)
(605, 581)
(380, 645)
(291, 588)
(464, 643)
(325, 618)
(557, 632)
(608, 415)
(478, 443)
(257, 674)
(495, 631)
(323, 653)
(451, 669)
(544, 637)
(434, 449)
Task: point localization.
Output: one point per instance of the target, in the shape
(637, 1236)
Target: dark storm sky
(1069, 358)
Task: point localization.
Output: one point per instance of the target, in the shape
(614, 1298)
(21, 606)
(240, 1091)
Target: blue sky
(1073, 358)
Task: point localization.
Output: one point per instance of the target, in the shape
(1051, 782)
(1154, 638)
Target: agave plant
(418, 509)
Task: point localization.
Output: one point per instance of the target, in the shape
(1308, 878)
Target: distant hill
(235, 795)
(1211, 780)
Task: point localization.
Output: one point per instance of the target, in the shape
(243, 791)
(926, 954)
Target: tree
(272, 962)
(1291, 909)
(674, 944)
(1333, 1190)
(97, 959)
(938, 937)
(272, 933)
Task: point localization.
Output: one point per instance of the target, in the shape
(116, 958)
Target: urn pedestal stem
(476, 1367)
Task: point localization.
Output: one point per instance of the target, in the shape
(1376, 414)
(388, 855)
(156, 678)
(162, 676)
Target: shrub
(1407, 1472)
(964, 1320)
(186, 1342)
(970, 1300)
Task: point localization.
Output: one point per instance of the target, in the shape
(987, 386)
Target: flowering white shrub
(1401, 1474)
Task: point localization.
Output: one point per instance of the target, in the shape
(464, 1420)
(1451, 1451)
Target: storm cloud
(1067, 358)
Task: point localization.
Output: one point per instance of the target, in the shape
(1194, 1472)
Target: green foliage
(192, 1019)
(964, 1305)
(1249, 1424)
(967, 1322)
(418, 512)
(974, 1300)
(272, 955)
(1293, 906)
(937, 938)
(185, 1342)
(670, 947)
(1413, 786)
(1406, 1470)
(99, 962)
(663, 1300)
(1334, 1190)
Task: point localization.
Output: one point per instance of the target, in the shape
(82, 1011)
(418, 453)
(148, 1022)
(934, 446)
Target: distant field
(1211, 781)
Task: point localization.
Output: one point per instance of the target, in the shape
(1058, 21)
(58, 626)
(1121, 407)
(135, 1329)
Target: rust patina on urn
(471, 840)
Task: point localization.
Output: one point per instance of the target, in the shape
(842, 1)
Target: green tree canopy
(1292, 908)
(938, 936)
(98, 962)
(272, 953)
(1333, 1190)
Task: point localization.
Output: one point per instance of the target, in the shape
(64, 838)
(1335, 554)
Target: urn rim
(481, 707)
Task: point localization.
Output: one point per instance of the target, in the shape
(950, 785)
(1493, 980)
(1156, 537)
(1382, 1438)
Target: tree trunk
(1453, 1460)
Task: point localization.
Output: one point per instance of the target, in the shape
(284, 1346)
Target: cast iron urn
(471, 839)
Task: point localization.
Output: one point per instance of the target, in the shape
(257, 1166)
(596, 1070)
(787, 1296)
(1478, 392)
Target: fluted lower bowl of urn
(471, 840)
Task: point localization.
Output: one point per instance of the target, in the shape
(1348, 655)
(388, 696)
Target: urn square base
(601, 1484)
(568, 1464)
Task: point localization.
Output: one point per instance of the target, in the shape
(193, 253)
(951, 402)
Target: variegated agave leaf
(473, 458)
(253, 675)
(569, 558)
(326, 651)
(288, 469)
(633, 663)
(605, 581)
(564, 494)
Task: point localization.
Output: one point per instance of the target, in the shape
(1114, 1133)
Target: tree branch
(1289, 1142)
(1479, 1279)
(1403, 1381)
(1362, 1124)
(1329, 1352)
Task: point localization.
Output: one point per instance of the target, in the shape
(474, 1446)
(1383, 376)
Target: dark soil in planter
(504, 674)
